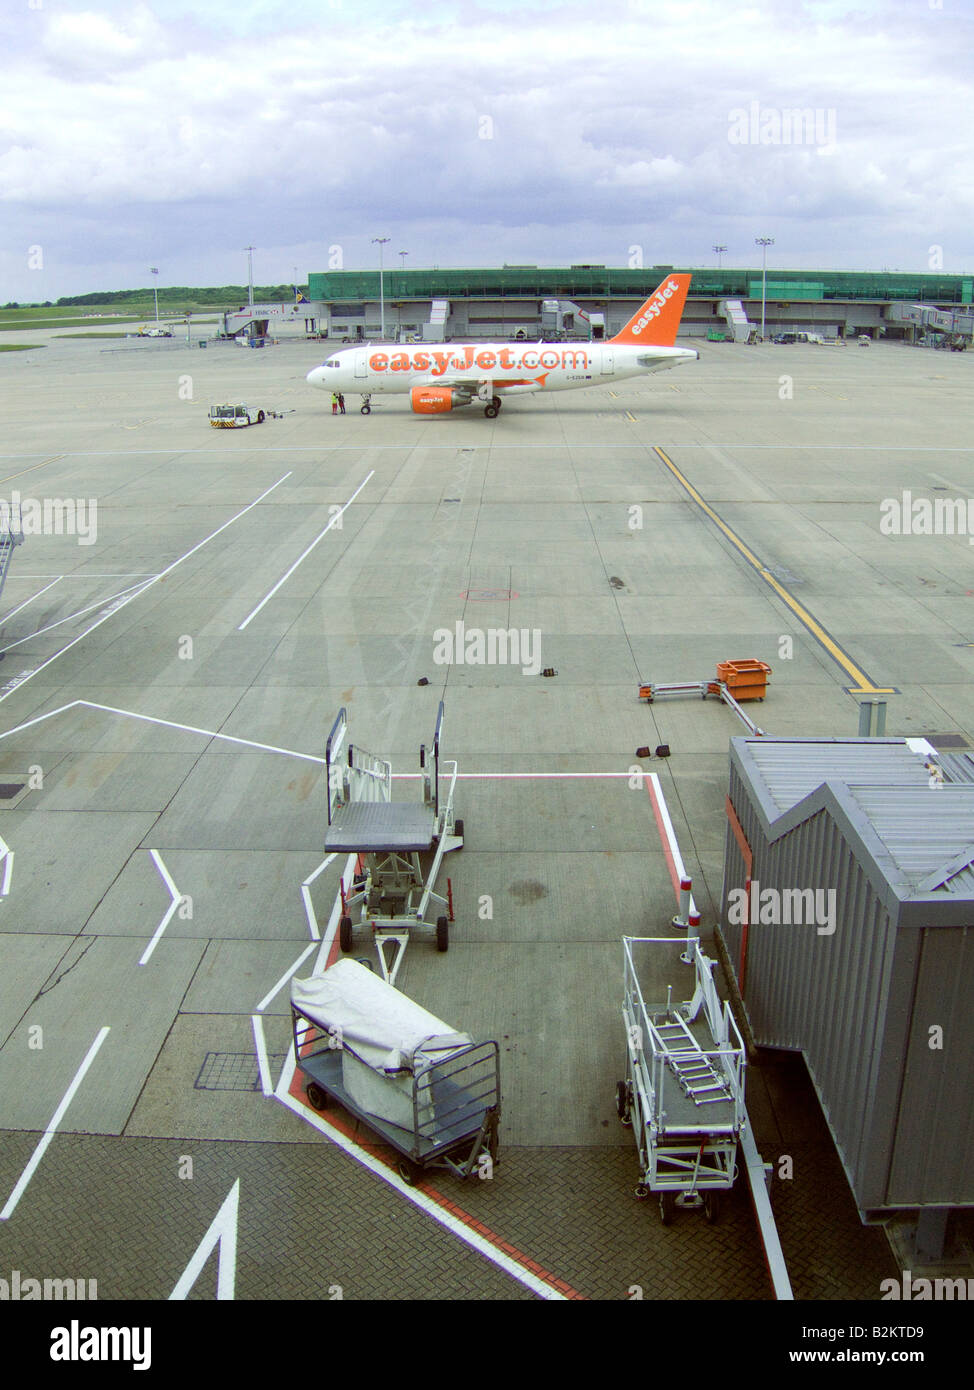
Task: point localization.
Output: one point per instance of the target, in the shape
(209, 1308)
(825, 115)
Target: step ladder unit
(683, 1093)
(399, 844)
(9, 539)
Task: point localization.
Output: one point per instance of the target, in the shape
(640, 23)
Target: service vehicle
(229, 417)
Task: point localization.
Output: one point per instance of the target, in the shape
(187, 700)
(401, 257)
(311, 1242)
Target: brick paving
(312, 1221)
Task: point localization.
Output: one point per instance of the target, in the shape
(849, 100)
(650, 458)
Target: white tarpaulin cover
(380, 1025)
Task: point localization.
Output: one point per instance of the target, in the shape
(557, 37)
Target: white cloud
(148, 119)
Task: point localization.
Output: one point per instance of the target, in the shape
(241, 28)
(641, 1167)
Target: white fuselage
(497, 368)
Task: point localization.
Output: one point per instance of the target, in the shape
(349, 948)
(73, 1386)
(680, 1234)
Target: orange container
(746, 680)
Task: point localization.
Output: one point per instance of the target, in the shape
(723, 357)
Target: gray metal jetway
(848, 917)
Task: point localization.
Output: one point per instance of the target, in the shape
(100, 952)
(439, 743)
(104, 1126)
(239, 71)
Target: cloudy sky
(175, 134)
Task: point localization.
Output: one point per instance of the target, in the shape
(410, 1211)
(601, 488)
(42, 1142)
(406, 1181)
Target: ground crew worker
(334, 402)
(341, 404)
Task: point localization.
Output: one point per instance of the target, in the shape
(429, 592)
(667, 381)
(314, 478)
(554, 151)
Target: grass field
(11, 325)
(18, 347)
(92, 316)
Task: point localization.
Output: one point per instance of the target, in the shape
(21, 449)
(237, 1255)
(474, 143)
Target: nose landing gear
(366, 408)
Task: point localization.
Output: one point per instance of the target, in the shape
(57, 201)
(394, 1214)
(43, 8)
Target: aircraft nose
(315, 377)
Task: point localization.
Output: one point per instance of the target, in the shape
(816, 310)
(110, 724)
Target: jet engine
(434, 400)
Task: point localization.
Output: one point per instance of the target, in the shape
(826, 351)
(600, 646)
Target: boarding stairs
(733, 311)
(435, 330)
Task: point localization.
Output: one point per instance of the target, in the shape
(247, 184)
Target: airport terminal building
(592, 301)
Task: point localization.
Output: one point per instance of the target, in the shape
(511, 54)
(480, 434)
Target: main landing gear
(492, 409)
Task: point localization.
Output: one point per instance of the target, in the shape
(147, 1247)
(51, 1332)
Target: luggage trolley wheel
(711, 1207)
(667, 1206)
(317, 1098)
(442, 934)
(458, 827)
(408, 1171)
(623, 1104)
(345, 933)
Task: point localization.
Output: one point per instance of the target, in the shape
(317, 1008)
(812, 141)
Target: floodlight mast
(380, 241)
(764, 242)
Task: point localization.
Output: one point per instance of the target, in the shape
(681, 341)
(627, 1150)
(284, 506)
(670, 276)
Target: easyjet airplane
(442, 377)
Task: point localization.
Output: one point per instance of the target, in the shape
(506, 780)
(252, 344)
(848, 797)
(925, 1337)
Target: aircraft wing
(471, 384)
(458, 383)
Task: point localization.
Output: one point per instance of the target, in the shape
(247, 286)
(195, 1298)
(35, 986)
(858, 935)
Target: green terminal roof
(602, 282)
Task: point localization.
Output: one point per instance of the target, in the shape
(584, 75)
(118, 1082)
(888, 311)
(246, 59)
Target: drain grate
(234, 1071)
(12, 793)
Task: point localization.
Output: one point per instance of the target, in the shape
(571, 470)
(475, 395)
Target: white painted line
(102, 603)
(326, 941)
(49, 1133)
(284, 979)
(141, 590)
(284, 578)
(85, 574)
(213, 534)
(304, 757)
(554, 444)
(189, 729)
(222, 1232)
(506, 776)
(426, 1204)
(8, 868)
(15, 611)
(29, 723)
(309, 907)
(176, 896)
(263, 1064)
(309, 912)
(323, 865)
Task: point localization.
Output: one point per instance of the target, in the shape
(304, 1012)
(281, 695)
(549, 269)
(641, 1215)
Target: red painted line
(348, 1127)
(664, 840)
(748, 857)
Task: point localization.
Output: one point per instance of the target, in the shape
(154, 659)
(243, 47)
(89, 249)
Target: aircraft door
(607, 361)
(360, 363)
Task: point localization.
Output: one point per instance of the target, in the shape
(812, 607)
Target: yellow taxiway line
(862, 684)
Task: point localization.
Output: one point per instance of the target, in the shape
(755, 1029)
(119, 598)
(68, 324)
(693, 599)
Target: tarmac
(167, 685)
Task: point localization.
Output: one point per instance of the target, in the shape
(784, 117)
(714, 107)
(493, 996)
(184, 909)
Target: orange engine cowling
(431, 400)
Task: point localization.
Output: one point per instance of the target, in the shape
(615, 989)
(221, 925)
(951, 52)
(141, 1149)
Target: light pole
(719, 251)
(250, 276)
(764, 242)
(155, 292)
(380, 241)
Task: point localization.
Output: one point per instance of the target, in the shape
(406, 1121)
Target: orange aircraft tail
(657, 321)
